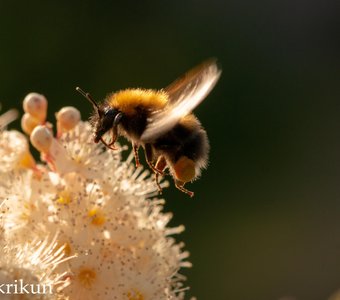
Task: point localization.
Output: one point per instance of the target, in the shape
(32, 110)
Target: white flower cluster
(82, 219)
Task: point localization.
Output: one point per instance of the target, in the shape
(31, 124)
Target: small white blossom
(14, 148)
(33, 263)
(14, 151)
(102, 210)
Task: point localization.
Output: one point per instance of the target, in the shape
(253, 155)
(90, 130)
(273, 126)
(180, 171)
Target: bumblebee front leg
(149, 158)
(114, 138)
(112, 142)
(110, 146)
(135, 148)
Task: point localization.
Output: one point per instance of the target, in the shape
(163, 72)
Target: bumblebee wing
(191, 79)
(184, 95)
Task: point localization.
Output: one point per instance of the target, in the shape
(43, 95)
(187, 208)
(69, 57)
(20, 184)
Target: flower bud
(36, 105)
(28, 123)
(67, 118)
(41, 138)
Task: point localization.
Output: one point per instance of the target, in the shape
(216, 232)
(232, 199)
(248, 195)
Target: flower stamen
(97, 217)
(87, 277)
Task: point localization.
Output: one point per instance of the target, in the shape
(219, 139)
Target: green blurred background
(265, 221)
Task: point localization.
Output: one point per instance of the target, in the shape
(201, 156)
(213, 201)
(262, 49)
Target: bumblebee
(161, 122)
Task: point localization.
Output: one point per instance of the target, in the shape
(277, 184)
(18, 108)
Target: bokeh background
(265, 221)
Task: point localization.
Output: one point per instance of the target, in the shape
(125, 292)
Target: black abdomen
(190, 141)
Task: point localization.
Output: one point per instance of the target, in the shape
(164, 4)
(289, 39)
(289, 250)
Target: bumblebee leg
(108, 145)
(184, 172)
(135, 152)
(160, 166)
(114, 138)
(149, 158)
(180, 185)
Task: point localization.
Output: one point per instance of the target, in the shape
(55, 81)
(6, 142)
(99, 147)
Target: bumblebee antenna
(88, 97)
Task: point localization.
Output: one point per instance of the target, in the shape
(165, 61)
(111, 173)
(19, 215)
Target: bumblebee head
(104, 118)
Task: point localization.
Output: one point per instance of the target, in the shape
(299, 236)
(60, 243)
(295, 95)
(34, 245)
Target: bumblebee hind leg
(184, 172)
(180, 185)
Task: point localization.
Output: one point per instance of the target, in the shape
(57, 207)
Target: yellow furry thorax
(127, 100)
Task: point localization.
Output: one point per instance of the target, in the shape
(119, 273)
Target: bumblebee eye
(109, 114)
(108, 118)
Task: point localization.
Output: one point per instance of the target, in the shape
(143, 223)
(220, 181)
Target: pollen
(135, 295)
(87, 277)
(64, 198)
(29, 208)
(97, 217)
(67, 249)
(24, 216)
(27, 161)
(65, 246)
(185, 169)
